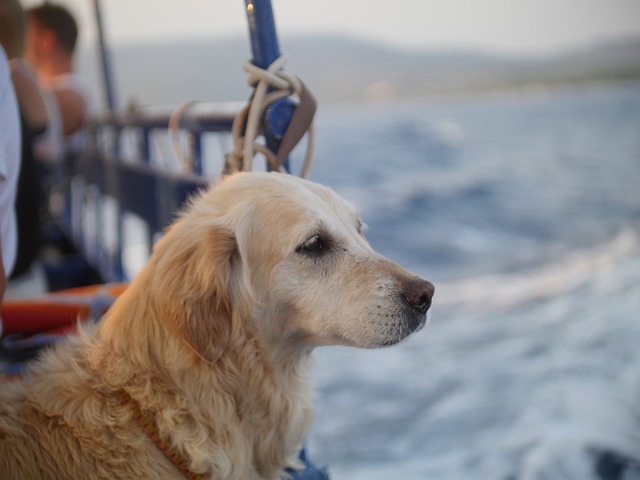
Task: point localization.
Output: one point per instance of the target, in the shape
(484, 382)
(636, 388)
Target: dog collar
(150, 428)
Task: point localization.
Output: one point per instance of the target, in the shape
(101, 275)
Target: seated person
(50, 41)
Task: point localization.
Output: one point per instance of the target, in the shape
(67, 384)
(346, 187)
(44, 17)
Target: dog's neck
(270, 392)
(266, 386)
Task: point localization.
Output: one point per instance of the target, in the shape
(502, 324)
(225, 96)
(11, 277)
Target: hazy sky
(514, 26)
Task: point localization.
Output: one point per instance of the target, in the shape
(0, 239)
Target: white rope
(185, 155)
(246, 125)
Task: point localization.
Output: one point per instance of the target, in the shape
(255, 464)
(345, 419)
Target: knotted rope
(271, 84)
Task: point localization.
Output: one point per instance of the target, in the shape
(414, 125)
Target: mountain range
(346, 69)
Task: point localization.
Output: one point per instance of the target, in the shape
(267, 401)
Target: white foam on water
(488, 292)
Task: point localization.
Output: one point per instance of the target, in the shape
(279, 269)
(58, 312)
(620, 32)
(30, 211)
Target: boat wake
(488, 292)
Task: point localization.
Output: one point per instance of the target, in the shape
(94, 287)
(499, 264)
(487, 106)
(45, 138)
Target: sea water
(524, 211)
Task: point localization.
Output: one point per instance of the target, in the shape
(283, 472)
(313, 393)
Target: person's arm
(72, 109)
(30, 99)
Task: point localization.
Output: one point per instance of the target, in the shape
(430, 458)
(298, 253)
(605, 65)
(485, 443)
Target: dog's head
(286, 259)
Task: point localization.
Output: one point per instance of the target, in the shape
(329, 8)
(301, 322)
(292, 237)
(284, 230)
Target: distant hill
(341, 69)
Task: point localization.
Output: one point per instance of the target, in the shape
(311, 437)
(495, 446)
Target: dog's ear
(200, 296)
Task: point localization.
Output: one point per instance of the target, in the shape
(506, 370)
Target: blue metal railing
(117, 171)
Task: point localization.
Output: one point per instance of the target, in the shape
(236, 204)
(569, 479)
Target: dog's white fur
(213, 339)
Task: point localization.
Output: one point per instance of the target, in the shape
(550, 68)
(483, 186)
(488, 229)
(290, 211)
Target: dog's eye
(312, 246)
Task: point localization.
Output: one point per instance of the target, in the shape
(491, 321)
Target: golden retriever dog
(201, 368)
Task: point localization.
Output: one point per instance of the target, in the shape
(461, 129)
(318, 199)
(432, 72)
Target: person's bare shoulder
(72, 109)
(29, 98)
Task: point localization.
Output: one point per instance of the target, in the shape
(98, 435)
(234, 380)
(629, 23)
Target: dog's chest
(275, 419)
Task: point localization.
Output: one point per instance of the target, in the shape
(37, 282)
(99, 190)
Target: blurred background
(494, 148)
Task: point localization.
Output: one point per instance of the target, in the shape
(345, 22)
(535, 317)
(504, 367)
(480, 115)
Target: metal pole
(262, 29)
(265, 49)
(104, 59)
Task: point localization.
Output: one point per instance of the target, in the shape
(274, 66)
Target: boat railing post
(146, 144)
(198, 167)
(266, 49)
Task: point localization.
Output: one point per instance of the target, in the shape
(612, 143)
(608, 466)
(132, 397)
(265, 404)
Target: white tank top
(48, 146)
(72, 81)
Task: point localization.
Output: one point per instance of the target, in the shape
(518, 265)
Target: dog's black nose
(419, 294)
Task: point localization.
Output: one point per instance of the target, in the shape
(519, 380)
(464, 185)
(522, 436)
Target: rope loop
(270, 84)
(185, 156)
